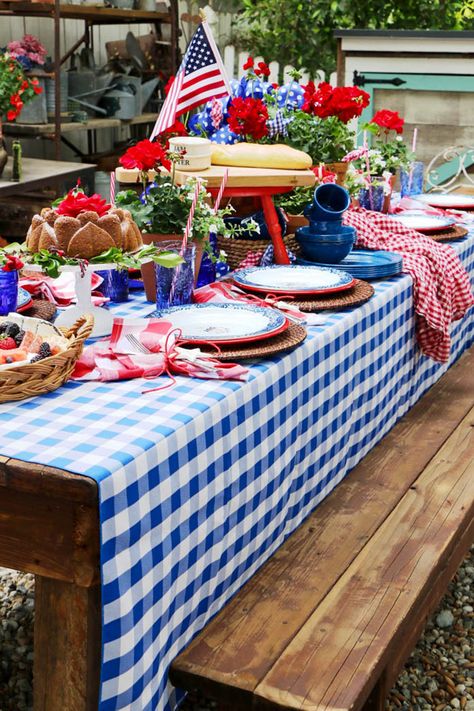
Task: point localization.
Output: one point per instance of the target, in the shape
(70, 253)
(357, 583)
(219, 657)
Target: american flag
(200, 77)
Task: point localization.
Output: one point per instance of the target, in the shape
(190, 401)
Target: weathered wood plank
(51, 537)
(67, 647)
(341, 650)
(241, 644)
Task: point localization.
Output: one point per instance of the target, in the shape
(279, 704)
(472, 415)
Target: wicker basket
(48, 374)
(237, 249)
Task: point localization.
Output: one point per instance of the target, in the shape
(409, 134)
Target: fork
(133, 340)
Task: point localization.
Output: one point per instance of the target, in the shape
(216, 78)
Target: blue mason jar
(115, 284)
(174, 286)
(372, 198)
(8, 291)
(207, 271)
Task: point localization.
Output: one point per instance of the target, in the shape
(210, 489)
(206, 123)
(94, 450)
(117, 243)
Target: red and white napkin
(60, 291)
(441, 289)
(147, 348)
(219, 292)
(411, 204)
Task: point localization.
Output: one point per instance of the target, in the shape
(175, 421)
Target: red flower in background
(390, 120)
(76, 202)
(12, 264)
(323, 175)
(248, 117)
(345, 102)
(263, 70)
(145, 155)
(248, 64)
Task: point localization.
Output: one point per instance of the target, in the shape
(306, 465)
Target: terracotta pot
(148, 270)
(295, 221)
(340, 169)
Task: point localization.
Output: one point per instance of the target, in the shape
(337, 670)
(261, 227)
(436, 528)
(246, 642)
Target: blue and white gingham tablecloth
(201, 483)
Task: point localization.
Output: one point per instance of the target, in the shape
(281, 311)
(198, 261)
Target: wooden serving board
(238, 177)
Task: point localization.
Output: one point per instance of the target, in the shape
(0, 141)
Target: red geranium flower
(76, 202)
(249, 63)
(12, 264)
(323, 175)
(248, 117)
(145, 155)
(263, 70)
(345, 102)
(390, 120)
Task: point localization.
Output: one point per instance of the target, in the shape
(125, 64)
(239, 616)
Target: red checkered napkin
(441, 289)
(60, 291)
(122, 356)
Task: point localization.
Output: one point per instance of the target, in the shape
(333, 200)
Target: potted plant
(15, 90)
(161, 210)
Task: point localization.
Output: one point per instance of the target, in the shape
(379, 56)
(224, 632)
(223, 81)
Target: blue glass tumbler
(372, 198)
(8, 292)
(411, 180)
(207, 271)
(174, 286)
(115, 284)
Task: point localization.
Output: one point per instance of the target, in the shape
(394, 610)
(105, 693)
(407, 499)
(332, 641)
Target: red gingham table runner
(441, 289)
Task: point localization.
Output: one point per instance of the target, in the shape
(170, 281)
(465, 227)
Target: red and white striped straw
(112, 188)
(189, 223)
(221, 190)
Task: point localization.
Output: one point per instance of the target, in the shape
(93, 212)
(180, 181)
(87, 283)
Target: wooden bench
(329, 620)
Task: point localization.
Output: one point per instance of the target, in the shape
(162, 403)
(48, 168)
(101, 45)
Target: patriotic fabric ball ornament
(290, 95)
(234, 87)
(201, 122)
(225, 136)
(255, 89)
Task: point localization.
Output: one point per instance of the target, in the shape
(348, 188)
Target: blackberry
(45, 350)
(19, 337)
(36, 358)
(12, 329)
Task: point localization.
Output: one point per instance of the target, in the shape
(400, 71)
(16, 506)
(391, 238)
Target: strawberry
(7, 343)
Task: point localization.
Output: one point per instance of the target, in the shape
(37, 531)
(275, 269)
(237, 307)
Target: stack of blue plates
(366, 264)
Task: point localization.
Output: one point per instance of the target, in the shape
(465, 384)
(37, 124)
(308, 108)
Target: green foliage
(295, 202)
(300, 32)
(325, 140)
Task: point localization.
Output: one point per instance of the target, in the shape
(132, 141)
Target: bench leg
(66, 646)
(376, 700)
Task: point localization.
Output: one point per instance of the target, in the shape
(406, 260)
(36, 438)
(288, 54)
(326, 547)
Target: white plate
(447, 200)
(293, 279)
(224, 323)
(425, 223)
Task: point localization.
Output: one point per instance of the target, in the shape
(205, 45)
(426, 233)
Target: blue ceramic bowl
(321, 226)
(325, 249)
(330, 201)
(312, 233)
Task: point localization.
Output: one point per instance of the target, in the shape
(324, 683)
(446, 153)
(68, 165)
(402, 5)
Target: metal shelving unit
(91, 16)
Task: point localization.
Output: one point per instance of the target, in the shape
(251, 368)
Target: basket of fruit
(35, 356)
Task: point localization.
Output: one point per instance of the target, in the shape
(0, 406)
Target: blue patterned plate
(425, 223)
(293, 279)
(367, 264)
(447, 200)
(232, 322)
(24, 299)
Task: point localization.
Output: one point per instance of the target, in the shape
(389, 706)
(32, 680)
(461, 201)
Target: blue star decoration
(278, 125)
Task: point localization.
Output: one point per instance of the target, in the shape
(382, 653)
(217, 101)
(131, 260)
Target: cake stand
(67, 317)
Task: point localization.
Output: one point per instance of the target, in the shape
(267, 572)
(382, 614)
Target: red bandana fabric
(441, 289)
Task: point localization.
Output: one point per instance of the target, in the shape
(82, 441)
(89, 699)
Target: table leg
(271, 218)
(67, 646)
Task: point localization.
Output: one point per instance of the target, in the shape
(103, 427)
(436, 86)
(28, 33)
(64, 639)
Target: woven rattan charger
(456, 232)
(50, 373)
(286, 341)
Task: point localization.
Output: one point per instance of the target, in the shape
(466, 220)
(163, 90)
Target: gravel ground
(438, 675)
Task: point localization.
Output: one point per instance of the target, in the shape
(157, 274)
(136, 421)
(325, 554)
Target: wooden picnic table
(38, 173)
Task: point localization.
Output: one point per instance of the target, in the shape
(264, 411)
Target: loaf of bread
(256, 155)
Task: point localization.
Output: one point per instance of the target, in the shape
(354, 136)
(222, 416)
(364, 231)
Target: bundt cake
(84, 236)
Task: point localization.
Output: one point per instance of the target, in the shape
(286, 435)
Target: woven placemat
(361, 292)
(286, 341)
(455, 232)
(41, 308)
